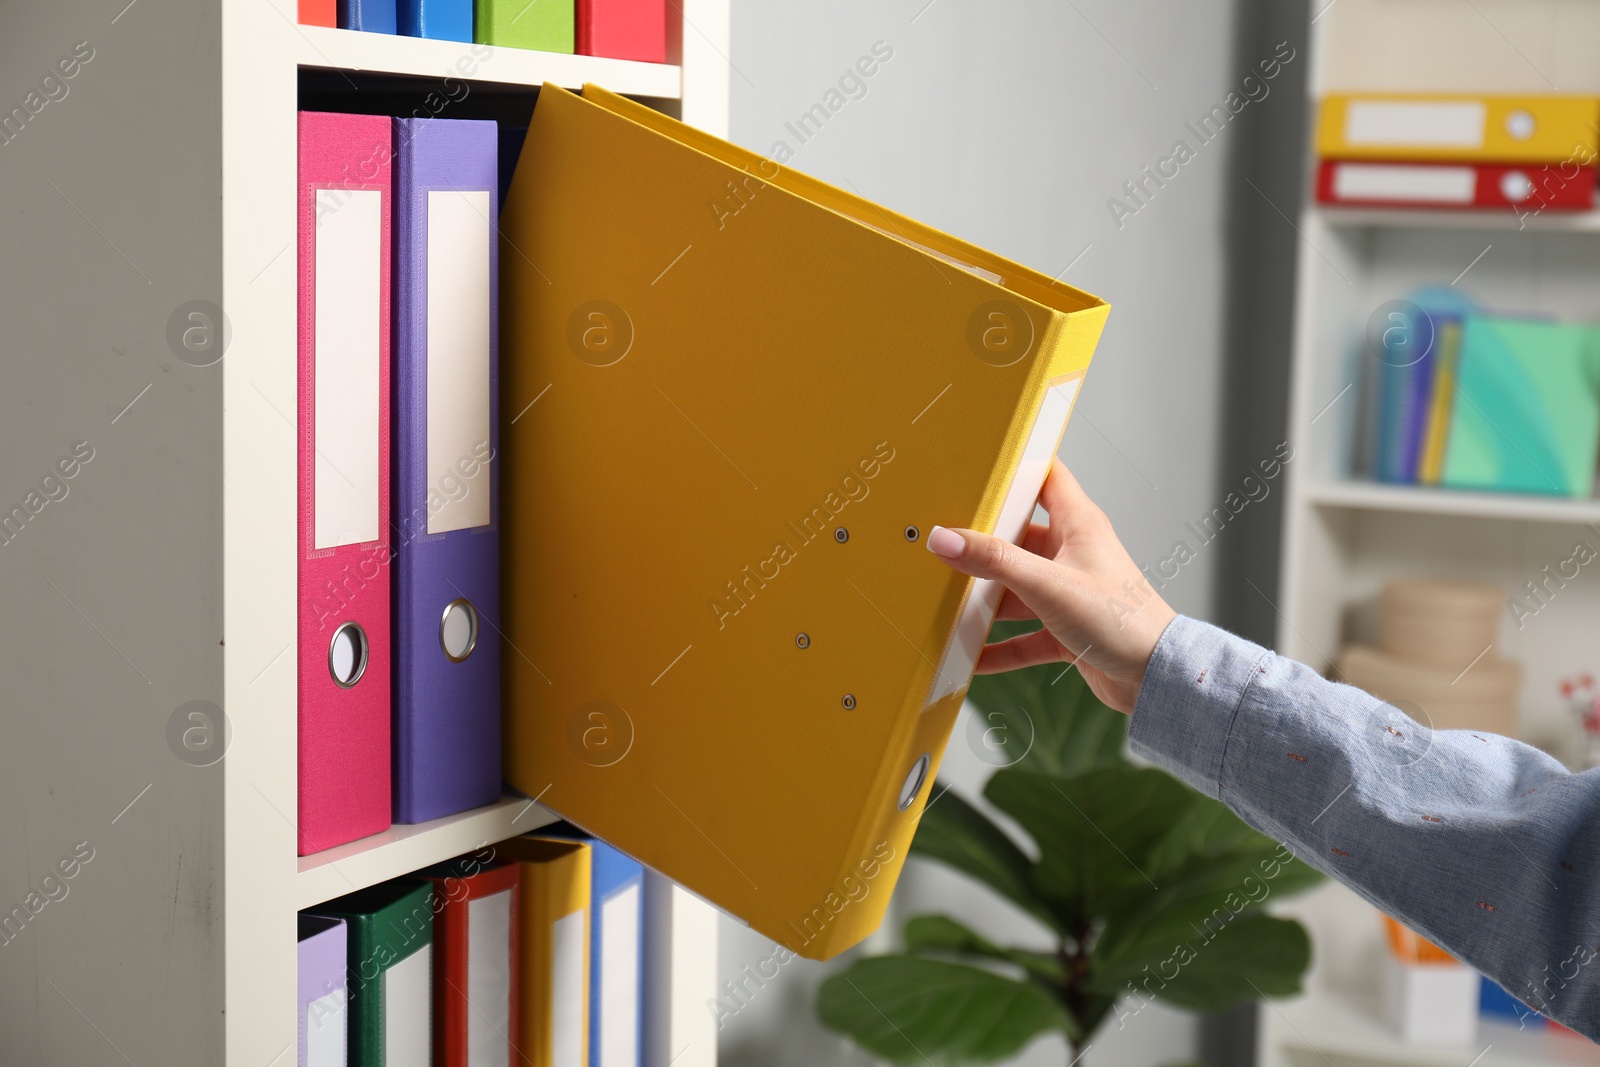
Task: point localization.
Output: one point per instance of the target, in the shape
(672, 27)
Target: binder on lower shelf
(343, 582)
(475, 969)
(390, 967)
(616, 947)
(769, 741)
(322, 994)
(445, 528)
(553, 974)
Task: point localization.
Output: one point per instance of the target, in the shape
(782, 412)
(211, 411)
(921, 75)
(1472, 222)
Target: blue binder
(616, 947)
(443, 20)
(373, 16)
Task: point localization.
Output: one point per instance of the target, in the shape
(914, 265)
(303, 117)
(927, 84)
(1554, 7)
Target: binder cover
(343, 642)
(1441, 399)
(445, 531)
(1456, 185)
(445, 20)
(1527, 410)
(623, 29)
(318, 13)
(374, 16)
(475, 972)
(546, 26)
(553, 973)
(1463, 128)
(763, 392)
(322, 994)
(616, 947)
(390, 958)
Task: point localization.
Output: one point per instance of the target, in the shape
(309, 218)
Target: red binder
(343, 198)
(1526, 187)
(318, 13)
(623, 29)
(475, 963)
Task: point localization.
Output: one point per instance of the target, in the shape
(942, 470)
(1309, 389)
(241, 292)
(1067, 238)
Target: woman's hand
(1074, 576)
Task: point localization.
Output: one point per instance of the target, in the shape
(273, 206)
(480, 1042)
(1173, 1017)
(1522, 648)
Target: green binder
(542, 25)
(1526, 415)
(390, 970)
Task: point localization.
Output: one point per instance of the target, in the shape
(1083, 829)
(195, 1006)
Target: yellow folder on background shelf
(1507, 129)
(735, 402)
(552, 931)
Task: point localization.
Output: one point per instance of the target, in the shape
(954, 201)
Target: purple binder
(445, 527)
(322, 999)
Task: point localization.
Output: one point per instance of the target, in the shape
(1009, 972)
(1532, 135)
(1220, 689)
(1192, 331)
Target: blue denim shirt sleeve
(1488, 847)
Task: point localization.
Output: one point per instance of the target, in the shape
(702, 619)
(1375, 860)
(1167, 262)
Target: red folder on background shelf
(1526, 188)
(343, 200)
(475, 963)
(623, 29)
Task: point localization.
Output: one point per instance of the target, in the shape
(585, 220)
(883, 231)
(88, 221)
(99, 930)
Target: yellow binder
(735, 402)
(552, 989)
(1468, 128)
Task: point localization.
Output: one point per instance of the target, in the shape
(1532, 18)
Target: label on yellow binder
(736, 400)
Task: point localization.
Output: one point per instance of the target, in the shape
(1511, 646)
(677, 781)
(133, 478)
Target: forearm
(1484, 845)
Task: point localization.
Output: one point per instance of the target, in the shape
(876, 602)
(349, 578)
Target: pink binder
(344, 205)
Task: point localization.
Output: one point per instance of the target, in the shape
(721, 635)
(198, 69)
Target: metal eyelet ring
(914, 780)
(802, 640)
(841, 535)
(849, 702)
(347, 655)
(458, 630)
(912, 533)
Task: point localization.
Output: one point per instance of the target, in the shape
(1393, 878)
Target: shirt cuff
(1192, 691)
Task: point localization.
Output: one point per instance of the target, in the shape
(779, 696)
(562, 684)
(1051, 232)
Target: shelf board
(400, 850)
(1517, 507)
(1331, 1025)
(383, 53)
(1438, 219)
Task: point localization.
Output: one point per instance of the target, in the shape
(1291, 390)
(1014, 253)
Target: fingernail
(946, 543)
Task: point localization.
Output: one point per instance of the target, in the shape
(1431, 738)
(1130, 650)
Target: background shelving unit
(170, 575)
(1343, 537)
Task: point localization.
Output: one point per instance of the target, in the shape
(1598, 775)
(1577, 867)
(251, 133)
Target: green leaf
(958, 834)
(940, 933)
(1095, 832)
(1044, 718)
(1254, 956)
(1208, 828)
(911, 1009)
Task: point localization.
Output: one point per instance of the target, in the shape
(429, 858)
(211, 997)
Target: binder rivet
(802, 640)
(911, 533)
(841, 535)
(849, 702)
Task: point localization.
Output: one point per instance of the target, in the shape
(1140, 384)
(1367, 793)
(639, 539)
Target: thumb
(982, 555)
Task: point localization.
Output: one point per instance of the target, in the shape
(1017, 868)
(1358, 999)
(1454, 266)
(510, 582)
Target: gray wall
(1012, 126)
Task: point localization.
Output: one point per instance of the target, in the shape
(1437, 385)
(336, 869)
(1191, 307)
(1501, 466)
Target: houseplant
(1148, 891)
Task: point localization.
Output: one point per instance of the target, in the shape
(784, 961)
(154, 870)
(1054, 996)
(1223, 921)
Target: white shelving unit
(167, 574)
(1343, 537)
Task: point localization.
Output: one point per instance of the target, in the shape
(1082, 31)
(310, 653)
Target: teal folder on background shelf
(1527, 408)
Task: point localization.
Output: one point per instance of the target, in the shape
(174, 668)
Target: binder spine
(343, 578)
(912, 759)
(445, 526)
